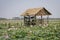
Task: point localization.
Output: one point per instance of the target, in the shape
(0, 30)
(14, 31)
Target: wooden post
(29, 20)
(47, 19)
(35, 19)
(41, 20)
(24, 20)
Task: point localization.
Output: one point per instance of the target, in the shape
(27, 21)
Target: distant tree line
(3, 18)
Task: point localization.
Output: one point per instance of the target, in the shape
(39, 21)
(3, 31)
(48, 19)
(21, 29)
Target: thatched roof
(36, 11)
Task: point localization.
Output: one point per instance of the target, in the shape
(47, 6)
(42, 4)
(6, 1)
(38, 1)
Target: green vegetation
(10, 30)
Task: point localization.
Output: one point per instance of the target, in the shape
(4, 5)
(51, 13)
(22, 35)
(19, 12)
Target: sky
(13, 8)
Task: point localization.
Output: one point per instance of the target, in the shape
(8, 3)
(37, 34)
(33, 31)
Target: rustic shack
(30, 16)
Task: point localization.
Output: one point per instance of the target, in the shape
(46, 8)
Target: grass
(16, 31)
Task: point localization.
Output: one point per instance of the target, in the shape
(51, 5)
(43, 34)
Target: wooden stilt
(24, 20)
(29, 21)
(41, 21)
(47, 19)
(35, 19)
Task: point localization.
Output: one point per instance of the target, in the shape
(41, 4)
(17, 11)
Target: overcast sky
(13, 8)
